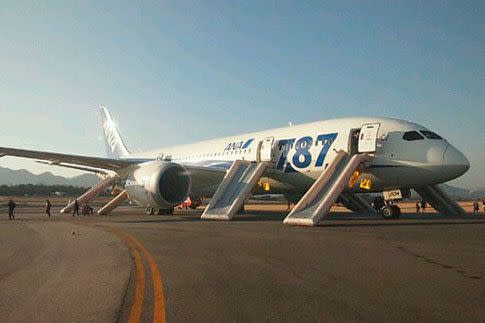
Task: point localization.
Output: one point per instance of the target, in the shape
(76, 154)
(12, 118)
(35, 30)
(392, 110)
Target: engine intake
(174, 184)
(159, 184)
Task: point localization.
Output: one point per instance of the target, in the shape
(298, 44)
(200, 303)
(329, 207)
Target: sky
(181, 71)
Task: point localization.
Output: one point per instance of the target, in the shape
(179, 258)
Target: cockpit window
(412, 135)
(431, 135)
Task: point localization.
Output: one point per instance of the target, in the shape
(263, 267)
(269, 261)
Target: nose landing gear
(390, 212)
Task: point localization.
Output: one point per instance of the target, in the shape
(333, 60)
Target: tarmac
(131, 267)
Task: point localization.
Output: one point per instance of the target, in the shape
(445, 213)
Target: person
(11, 207)
(354, 145)
(424, 204)
(476, 207)
(48, 207)
(75, 210)
(417, 207)
(483, 202)
(87, 210)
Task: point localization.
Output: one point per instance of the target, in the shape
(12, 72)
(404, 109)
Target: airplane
(313, 164)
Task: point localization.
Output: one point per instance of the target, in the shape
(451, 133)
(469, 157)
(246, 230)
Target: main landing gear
(390, 212)
(153, 211)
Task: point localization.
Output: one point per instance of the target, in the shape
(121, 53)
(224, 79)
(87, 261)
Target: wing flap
(82, 168)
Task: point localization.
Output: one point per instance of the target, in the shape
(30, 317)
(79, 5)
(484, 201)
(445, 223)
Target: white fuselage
(301, 152)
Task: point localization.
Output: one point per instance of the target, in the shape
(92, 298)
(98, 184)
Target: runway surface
(253, 269)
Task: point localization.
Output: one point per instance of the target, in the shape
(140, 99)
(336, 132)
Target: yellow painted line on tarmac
(137, 306)
(159, 315)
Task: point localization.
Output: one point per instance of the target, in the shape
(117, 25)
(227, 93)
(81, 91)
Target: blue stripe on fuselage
(246, 145)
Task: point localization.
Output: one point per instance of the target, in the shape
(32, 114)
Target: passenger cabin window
(431, 135)
(412, 135)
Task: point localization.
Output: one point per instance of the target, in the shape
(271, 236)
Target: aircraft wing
(200, 173)
(56, 158)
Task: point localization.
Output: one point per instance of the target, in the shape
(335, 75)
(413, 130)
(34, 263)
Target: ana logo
(239, 145)
(110, 133)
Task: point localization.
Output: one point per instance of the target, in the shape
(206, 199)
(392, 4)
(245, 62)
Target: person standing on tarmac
(424, 204)
(11, 207)
(476, 207)
(417, 207)
(48, 207)
(76, 208)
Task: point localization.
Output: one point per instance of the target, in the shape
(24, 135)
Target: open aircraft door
(265, 149)
(368, 138)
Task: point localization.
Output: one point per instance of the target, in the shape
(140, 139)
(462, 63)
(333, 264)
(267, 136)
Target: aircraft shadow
(393, 223)
(335, 219)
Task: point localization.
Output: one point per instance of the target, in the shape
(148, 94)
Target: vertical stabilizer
(115, 147)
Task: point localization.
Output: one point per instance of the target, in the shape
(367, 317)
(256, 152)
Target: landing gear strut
(390, 212)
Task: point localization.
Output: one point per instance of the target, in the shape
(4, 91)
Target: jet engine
(158, 184)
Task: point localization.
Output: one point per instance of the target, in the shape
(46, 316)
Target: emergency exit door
(368, 138)
(266, 149)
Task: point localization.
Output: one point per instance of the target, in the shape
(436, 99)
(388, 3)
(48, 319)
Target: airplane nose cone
(455, 162)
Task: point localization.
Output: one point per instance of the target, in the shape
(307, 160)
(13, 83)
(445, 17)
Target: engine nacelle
(158, 184)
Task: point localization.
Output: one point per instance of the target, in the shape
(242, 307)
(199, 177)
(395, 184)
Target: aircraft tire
(150, 211)
(387, 212)
(397, 211)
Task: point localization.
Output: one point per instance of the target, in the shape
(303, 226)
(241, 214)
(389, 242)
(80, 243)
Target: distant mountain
(22, 176)
(463, 194)
(458, 193)
(478, 193)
